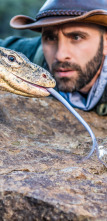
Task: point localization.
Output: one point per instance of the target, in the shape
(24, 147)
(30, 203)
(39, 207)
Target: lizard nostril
(44, 76)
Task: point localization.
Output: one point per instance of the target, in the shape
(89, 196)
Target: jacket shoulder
(101, 107)
(27, 46)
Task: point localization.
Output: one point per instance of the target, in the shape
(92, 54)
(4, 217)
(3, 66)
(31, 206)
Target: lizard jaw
(35, 85)
(22, 87)
(40, 91)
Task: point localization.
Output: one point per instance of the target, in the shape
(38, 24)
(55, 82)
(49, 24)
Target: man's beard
(84, 76)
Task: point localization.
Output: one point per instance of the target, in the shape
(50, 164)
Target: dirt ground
(42, 175)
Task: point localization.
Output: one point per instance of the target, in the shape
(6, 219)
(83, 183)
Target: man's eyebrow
(47, 32)
(72, 33)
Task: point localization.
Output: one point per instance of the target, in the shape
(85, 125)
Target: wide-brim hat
(56, 12)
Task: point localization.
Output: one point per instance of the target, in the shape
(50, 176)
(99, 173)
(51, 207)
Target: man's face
(74, 54)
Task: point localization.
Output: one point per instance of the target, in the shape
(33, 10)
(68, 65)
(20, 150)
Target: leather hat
(55, 12)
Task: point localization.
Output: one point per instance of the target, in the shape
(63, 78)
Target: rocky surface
(41, 175)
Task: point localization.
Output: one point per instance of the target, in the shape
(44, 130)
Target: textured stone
(41, 175)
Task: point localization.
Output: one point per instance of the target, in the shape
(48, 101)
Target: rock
(41, 175)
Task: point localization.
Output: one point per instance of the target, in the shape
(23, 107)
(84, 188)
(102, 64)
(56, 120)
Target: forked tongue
(82, 121)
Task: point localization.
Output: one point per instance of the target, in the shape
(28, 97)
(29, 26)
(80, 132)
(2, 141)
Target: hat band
(60, 13)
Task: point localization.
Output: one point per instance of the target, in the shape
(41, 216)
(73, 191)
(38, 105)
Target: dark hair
(103, 29)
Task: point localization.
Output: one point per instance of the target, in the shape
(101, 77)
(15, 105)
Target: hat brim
(24, 22)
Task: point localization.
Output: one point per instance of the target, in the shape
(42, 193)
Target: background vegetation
(10, 8)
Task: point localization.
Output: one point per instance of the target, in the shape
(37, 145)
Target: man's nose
(63, 51)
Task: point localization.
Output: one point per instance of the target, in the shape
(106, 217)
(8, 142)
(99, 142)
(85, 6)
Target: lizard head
(20, 76)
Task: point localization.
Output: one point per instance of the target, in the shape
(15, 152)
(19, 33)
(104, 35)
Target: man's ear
(105, 44)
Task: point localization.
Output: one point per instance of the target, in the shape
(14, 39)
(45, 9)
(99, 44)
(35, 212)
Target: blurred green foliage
(10, 8)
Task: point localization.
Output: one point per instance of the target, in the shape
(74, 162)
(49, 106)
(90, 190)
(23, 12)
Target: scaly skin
(20, 76)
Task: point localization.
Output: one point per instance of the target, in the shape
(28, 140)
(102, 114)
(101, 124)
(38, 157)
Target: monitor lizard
(20, 76)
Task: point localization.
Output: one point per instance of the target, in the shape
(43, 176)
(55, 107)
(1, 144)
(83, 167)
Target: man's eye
(76, 37)
(50, 38)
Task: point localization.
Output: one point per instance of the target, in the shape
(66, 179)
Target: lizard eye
(11, 58)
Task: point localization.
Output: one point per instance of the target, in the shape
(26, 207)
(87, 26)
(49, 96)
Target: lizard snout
(43, 78)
